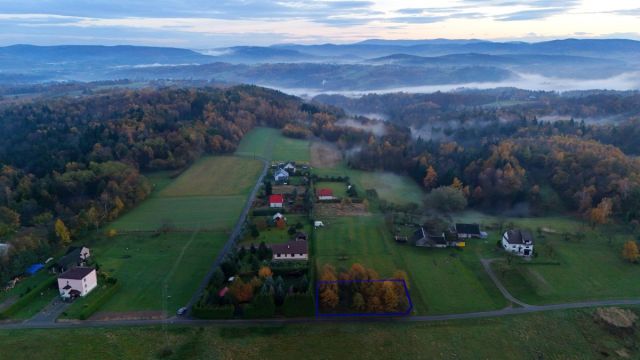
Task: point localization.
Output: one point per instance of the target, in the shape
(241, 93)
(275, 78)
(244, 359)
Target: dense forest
(70, 164)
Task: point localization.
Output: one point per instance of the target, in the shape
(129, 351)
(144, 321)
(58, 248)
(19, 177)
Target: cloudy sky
(216, 23)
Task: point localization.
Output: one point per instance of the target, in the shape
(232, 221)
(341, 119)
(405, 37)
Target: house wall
(275, 205)
(290, 257)
(84, 286)
(517, 249)
(325, 197)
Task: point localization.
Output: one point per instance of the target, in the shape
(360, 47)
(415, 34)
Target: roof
(325, 192)
(281, 172)
(301, 236)
(418, 235)
(223, 291)
(78, 273)
(519, 237)
(292, 247)
(276, 198)
(473, 229)
(74, 249)
(438, 239)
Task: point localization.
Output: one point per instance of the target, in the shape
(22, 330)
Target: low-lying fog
(622, 82)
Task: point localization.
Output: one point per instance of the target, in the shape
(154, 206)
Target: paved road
(237, 230)
(51, 312)
(277, 322)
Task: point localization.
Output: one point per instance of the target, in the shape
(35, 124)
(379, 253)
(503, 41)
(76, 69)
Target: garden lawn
(209, 195)
(551, 335)
(270, 144)
(339, 188)
(145, 264)
(274, 235)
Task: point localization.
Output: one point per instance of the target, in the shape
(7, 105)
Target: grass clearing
(553, 335)
(270, 144)
(209, 195)
(215, 176)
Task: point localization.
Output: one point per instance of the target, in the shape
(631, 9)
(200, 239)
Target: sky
(201, 24)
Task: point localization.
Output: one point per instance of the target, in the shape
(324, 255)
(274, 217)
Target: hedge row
(262, 306)
(27, 298)
(267, 211)
(298, 305)
(96, 303)
(213, 312)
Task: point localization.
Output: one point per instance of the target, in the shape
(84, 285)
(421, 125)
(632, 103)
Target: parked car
(181, 311)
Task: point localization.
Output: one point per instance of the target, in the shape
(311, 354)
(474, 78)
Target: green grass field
(144, 264)
(442, 280)
(565, 271)
(210, 194)
(554, 335)
(270, 144)
(390, 187)
(275, 235)
(339, 188)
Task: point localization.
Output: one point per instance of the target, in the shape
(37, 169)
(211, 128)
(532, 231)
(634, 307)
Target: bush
(97, 301)
(267, 211)
(298, 305)
(213, 312)
(261, 307)
(27, 297)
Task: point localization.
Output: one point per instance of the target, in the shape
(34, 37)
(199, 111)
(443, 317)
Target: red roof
(223, 291)
(325, 192)
(276, 199)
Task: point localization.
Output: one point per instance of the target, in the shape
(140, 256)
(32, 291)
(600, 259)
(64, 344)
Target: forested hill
(79, 160)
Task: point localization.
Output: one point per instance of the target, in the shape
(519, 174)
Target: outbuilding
(276, 201)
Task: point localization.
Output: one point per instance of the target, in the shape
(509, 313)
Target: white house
(293, 250)
(518, 242)
(76, 282)
(281, 176)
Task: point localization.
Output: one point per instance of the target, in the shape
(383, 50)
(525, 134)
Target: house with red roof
(325, 194)
(276, 201)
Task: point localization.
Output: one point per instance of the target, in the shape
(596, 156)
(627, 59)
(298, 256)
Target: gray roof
(292, 247)
(518, 236)
(77, 273)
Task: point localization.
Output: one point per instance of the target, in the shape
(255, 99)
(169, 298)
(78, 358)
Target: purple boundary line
(403, 313)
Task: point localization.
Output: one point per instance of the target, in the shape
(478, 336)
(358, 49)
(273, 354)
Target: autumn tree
(242, 292)
(601, 213)
(390, 299)
(62, 232)
(457, 184)
(9, 221)
(329, 297)
(265, 272)
(430, 179)
(446, 199)
(358, 303)
(630, 251)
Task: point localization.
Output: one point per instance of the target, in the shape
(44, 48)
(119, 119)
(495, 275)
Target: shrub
(213, 312)
(27, 297)
(97, 301)
(261, 307)
(298, 305)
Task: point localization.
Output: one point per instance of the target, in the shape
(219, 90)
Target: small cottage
(77, 282)
(468, 231)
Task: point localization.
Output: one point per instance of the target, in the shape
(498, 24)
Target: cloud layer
(200, 23)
